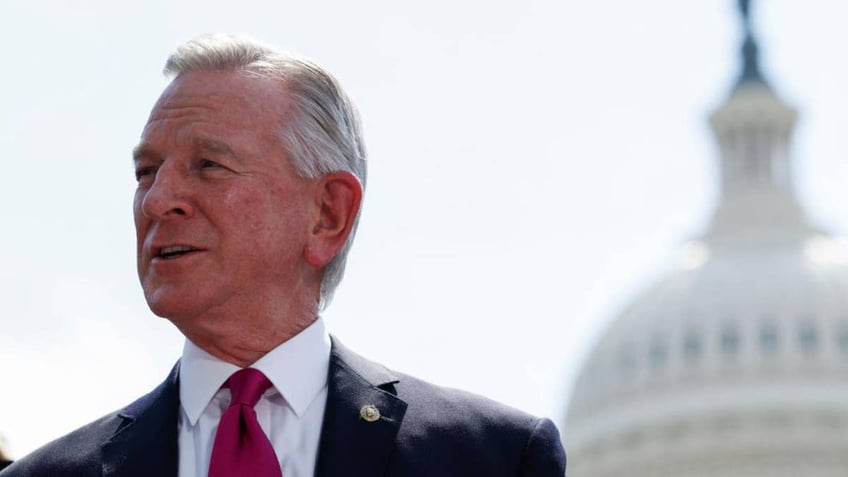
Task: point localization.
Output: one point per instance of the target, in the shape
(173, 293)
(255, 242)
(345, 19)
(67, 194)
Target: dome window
(768, 338)
(729, 342)
(692, 346)
(627, 360)
(842, 338)
(807, 338)
(658, 353)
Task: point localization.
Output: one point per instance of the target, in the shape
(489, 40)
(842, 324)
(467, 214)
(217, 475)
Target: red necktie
(241, 449)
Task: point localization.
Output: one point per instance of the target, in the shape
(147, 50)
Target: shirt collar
(297, 368)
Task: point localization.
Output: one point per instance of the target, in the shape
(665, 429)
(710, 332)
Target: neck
(242, 338)
(247, 348)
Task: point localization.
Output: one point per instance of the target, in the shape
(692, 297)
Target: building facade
(736, 364)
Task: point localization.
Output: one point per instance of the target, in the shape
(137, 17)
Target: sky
(532, 166)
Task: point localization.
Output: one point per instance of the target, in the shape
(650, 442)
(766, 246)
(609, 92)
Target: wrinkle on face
(213, 137)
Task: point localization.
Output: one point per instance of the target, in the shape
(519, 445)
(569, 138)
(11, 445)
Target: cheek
(250, 212)
(139, 219)
(273, 212)
(138, 198)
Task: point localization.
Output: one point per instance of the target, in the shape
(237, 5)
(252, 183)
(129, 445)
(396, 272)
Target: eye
(144, 172)
(211, 169)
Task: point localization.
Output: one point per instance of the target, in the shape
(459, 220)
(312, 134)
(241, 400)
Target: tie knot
(247, 386)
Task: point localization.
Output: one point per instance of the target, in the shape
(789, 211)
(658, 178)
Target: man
(250, 176)
(5, 460)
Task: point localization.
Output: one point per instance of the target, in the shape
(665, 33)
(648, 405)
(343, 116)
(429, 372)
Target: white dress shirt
(290, 412)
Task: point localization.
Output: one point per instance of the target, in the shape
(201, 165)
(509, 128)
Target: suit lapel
(145, 442)
(353, 444)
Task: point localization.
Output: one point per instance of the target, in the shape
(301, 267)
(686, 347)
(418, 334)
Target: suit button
(369, 413)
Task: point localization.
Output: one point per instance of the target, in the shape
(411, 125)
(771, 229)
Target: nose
(168, 196)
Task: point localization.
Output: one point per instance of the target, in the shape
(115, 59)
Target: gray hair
(321, 134)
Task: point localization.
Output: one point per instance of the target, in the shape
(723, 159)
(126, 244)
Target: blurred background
(535, 168)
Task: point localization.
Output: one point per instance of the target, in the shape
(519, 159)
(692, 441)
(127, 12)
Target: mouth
(174, 252)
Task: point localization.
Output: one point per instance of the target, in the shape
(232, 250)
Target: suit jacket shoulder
(377, 423)
(426, 430)
(138, 440)
(75, 454)
(478, 432)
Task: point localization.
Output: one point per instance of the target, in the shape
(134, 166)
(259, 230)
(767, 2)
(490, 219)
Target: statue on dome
(745, 8)
(750, 63)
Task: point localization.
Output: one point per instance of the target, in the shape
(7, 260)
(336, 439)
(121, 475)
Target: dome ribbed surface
(735, 365)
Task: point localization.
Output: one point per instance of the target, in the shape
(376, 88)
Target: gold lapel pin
(369, 413)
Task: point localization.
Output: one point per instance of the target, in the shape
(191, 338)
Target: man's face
(221, 216)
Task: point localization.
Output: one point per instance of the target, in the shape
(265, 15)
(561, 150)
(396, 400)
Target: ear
(338, 196)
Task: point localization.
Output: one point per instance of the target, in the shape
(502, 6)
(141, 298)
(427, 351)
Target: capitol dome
(737, 363)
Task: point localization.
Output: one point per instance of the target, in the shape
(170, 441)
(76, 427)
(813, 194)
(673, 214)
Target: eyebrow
(143, 149)
(203, 144)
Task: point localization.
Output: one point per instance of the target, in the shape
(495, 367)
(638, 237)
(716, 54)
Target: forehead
(230, 101)
(239, 88)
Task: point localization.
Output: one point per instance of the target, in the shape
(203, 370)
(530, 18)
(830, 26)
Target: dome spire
(753, 128)
(750, 51)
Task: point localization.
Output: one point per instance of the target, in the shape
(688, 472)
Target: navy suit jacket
(423, 430)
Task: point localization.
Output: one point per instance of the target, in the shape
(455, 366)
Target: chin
(171, 306)
(163, 311)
